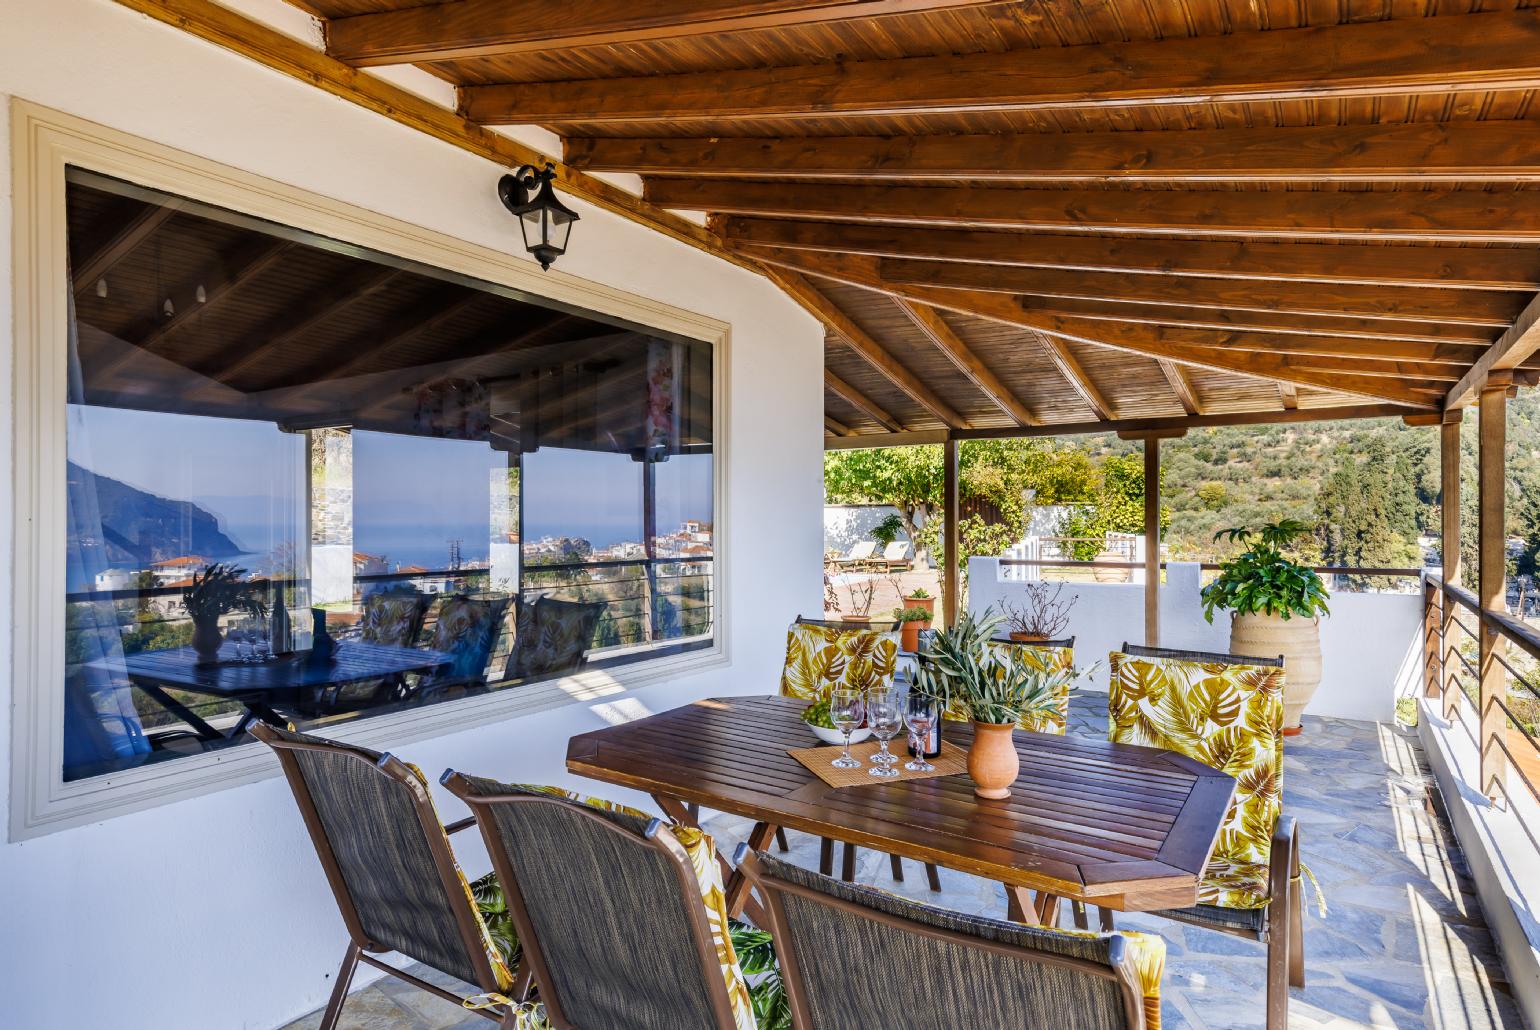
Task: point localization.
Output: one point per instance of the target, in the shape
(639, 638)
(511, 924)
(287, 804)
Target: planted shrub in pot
(960, 669)
(920, 598)
(1275, 606)
(910, 622)
(217, 591)
(1043, 613)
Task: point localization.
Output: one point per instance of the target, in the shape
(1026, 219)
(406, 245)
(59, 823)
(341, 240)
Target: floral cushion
(1043, 659)
(702, 852)
(552, 636)
(821, 658)
(1229, 717)
(466, 629)
(391, 619)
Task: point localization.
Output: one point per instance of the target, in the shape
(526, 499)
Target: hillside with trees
(1369, 488)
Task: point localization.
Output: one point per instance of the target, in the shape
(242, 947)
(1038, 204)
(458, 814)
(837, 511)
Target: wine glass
(263, 645)
(885, 719)
(238, 637)
(846, 709)
(919, 716)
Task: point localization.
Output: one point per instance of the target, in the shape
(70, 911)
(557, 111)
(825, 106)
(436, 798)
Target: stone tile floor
(1403, 944)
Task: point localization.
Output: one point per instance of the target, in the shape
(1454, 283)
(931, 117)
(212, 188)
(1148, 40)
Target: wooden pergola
(1040, 216)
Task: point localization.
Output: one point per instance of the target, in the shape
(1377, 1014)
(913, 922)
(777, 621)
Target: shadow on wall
(1371, 644)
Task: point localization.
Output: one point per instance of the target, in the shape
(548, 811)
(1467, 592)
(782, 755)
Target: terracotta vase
(860, 620)
(909, 636)
(928, 603)
(1028, 638)
(206, 639)
(992, 760)
(1103, 574)
(1299, 641)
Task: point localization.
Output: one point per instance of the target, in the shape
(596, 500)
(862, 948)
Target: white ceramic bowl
(829, 736)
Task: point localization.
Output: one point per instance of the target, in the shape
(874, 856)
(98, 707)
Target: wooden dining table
(1113, 825)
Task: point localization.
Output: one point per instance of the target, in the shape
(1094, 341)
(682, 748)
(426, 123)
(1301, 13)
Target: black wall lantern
(545, 221)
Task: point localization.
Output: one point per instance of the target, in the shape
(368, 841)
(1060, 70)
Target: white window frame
(44, 144)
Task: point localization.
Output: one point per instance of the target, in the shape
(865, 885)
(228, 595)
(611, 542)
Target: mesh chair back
(380, 839)
(854, 957)
(602, 908)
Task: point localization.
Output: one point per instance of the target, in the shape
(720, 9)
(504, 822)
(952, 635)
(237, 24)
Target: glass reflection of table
(286, 681)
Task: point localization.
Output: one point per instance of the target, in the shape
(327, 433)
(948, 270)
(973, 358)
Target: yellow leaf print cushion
(1043, 659)
(1229, 717)
(821, 658)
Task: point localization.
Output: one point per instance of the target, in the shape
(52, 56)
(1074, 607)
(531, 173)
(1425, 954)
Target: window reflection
(376, 486)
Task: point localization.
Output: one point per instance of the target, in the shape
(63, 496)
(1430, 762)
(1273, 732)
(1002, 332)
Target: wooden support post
(1449, 501)
(1493, 555)
(1432, 643)
(950, 540)
(1152, 541)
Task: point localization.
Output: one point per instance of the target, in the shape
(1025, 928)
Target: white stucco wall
(1371, 645)
(213, 913)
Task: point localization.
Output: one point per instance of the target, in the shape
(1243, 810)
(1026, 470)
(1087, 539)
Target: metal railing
(1337, 571)
(1491, 693)
(646, 600)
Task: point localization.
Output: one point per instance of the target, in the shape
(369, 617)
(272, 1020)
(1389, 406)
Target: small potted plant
(910, 622)
(861, 594)
(1275, 606)
(994, 688)
(920, 598)
(1043, 613)
(217, 591)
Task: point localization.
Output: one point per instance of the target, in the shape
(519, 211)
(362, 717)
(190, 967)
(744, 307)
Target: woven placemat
(950, 762)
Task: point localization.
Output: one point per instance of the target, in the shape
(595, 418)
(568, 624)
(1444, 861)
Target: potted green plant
(1043, 613)
(1275, 606)
(961, 670)
(910, 622)
(217, 591)
(888, 530)
(920, 598)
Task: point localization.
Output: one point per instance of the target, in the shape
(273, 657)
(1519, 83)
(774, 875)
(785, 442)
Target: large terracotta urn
(1106, 574)
(1298, 640)
(993, 763)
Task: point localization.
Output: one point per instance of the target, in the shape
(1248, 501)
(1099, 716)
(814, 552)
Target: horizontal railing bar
(1503, 785)
(1516, 674)
(1517, 724)
(1333, 570)
(1468, 631)
(1507, 626)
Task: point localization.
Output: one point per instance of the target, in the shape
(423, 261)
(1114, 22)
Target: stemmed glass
(885, 719)
(846, 710)
(919, 716)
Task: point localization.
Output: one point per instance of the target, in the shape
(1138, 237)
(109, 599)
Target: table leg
(1019, 906)
(1047, 908)
(181, 711)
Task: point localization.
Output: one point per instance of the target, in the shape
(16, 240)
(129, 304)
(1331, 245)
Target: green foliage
(1213, 496)
(960, 668)
(902, 615)
(888, 530)
(1367, 508)
(219, 589)
(1261, 580)
(1117, 506)
(756, 957)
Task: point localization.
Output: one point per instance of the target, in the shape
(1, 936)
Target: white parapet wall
(1371, 643)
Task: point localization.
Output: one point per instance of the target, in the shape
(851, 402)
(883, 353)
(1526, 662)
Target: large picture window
(308, 483)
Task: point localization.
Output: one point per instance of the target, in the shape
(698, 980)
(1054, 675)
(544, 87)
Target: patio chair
(854, 957)
(621, 916)
(389, 863)
(822, 657)
(895, 557)
(466, 628)
(551, 637)
(1251, 888)
(392, 618)
(860, 556)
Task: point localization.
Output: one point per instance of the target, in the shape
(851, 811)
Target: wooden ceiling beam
(413, 326)
(1182, 386)
(282, 53)
(1253, 260)
(862, 343)
(1463, 307)
(119, 245)
(1075, 374)
(1229, 418)
(835, 427)
(858, 400)
(1402, 56)
(1434, 215)
(1494, 151)
(929, 322)
(1339, 336)
(1510, 351)
(467, 29)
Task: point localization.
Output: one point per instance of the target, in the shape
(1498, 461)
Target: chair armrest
(460, 824)
(1284, 861)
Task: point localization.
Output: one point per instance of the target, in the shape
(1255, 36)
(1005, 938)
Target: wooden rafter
(1182, 386)
(119, 245)
(1464, 307)
(929, 322)
(1469, 52)
(861, 402)
(1288, 395)
(1251, 260)
(1496, 151)
(491, 28)
(862, 343)
(1450, 215)
(1075, 374)
(1512, 349)
(834, 427)
(282, 53)
(435, 312)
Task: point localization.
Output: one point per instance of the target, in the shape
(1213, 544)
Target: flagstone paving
(1403, 943)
